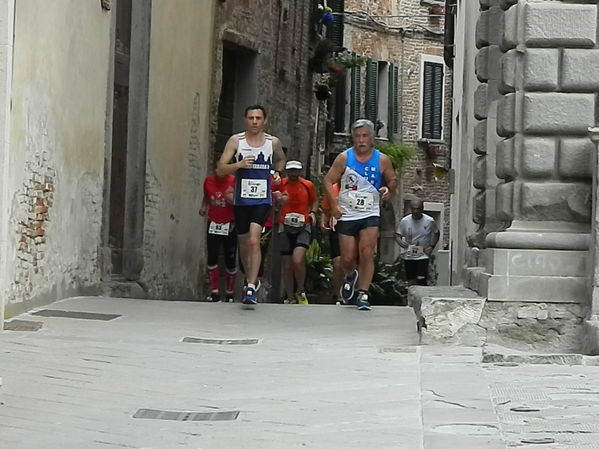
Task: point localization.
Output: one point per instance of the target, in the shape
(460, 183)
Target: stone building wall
(400, 32)
(280, 35)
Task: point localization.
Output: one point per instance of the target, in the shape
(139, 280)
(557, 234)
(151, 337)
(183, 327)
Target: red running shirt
(215, 190)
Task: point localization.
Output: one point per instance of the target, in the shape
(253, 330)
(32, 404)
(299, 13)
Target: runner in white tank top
(360, 170)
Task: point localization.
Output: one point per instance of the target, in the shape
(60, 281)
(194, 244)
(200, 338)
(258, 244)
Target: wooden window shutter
(340, 94)
(393, 117)
(432, 101)
(356, 81)
(335, 28)
(372, 85)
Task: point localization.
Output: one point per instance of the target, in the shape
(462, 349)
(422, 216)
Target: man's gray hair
(363, 123)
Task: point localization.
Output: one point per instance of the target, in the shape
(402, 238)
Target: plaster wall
(181, 67)
(55, 166)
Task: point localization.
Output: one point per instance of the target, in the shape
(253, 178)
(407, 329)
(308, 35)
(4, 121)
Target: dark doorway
(127, 148)
(238, 91)
(118, 168)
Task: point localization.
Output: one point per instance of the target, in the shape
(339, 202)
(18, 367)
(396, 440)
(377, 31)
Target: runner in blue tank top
(256, 158)
(360, 172)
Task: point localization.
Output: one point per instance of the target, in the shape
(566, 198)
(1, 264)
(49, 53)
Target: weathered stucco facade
(57, 150)
(522, 208)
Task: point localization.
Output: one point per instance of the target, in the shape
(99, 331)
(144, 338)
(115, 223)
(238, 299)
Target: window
(379, 95)
(382, 102)
(432, 73)
(335, 28)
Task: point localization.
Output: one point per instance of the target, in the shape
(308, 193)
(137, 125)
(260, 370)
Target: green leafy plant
(319, 269)
(389, 286)
(399, 154)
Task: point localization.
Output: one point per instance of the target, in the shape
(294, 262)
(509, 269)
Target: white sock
(251, 286)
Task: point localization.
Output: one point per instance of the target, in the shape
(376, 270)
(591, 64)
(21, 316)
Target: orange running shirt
(301, 196)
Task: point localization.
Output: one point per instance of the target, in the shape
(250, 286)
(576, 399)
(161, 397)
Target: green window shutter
(432, 101)
(372, 87)
(335, 28)
(356, 81)
(393, 117)
(340, 94)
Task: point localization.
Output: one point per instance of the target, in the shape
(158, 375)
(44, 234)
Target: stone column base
(531, 275)
(457, 316)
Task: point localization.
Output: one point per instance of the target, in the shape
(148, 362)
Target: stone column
(594, 312)
(548, 68)
(6, 50)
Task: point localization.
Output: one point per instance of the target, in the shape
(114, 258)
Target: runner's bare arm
(224, 165)
(333, 177)
(279, 157)
(390, 177)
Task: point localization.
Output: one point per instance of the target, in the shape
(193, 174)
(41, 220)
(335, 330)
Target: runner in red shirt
(296, 217)
(217, 205)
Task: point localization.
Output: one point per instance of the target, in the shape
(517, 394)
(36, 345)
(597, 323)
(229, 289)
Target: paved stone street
(224, 376)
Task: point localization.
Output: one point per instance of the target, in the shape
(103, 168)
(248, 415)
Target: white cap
(293, 164)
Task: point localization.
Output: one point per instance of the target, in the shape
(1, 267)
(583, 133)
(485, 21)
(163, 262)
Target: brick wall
(400, 31)
(280, 32)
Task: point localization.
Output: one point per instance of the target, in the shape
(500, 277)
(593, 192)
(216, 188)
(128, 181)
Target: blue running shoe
(347, 288)
(362, 301)
(249, 294)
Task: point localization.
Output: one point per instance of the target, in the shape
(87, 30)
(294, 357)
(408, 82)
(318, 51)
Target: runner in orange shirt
(296, 217)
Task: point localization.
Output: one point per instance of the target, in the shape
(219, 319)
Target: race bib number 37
(361, 201)
(254, 189)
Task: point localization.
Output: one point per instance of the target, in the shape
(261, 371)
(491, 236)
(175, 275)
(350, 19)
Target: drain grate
(148, 413)
(23, 325)
(398, 349)
(77, 315)
(220, 341)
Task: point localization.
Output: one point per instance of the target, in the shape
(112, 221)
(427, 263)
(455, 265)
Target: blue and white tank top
(359, 195)
(253, 184)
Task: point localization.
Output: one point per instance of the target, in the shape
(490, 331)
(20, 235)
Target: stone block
(482, 30)
(580, 70)
(479, 208)
(494, 62)
(555, 202)
(576, 157)
(541, 69)
(479, 175)
(538, 156)
(506, 112)
(505, 4)
(481, 104)
(560, 289)
(504, 167)
(535, 262)
(480, 137)
(449, 314)
(495, 21)
(558, 24)
(505, 201)
(558, 113)
(510, 29)
(481, 64)
(509, 63)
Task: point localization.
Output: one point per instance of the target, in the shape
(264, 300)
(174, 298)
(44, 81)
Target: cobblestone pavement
(114, 373)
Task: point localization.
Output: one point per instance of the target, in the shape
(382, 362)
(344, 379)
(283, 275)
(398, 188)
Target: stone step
(528, 262)
(570, 289)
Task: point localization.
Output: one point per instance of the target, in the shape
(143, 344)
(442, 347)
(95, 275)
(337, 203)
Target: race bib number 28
(361, 201)
(254, 189)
